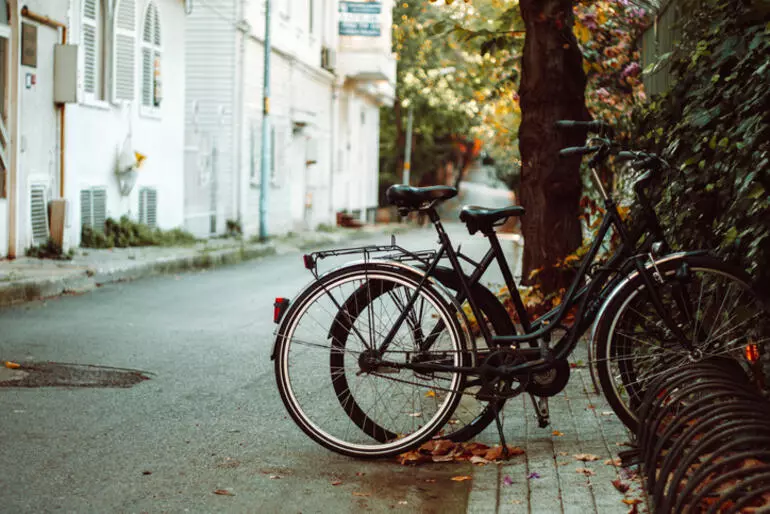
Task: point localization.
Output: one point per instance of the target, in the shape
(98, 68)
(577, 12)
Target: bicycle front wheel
(714, 305)
(368, 405)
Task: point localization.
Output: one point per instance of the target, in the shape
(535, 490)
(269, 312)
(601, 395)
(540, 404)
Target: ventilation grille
(93, 208)
(148, 206)
(38, 207)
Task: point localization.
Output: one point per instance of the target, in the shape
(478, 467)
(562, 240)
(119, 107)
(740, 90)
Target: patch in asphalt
(57, 374)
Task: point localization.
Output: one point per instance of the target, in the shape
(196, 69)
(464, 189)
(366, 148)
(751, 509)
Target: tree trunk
(552, 88)
(400, 141)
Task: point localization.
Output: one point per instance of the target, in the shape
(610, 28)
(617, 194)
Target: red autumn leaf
(621, 486)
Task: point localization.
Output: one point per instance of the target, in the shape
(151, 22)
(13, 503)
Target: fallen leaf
(224, 492)
(403, 502)
(563, 454)
(438, 447)
(621, 486)
(590, 407)
(507, 480)
(415, 415)
(462, 478)
(557, 433)
(413, 457)
(430, 394)
(564, 463)
(356, 493)
(631, 501)
(587, 472)
(146, 472)
(613, 462)
(12, 365)
(274, 477)
(479, 460)
(496, 453)
(533, 475)
(586, 457)
(443, 458)
(607, 413)
(516, 502)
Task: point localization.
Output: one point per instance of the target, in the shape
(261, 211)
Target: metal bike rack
(704, 440)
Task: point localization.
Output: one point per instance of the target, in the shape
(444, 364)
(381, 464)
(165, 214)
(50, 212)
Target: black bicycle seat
(415, 198)
(480, 218)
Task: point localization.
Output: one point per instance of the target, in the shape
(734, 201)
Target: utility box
(65, 74)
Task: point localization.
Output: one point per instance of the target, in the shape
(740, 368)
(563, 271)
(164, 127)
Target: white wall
(211, 60)
(96, 134)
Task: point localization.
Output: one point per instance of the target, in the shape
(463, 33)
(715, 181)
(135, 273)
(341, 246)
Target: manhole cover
(55, 374)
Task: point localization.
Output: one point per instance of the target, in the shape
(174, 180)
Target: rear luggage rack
(397, 253)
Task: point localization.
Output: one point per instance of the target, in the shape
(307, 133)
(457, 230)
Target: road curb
(78, 280)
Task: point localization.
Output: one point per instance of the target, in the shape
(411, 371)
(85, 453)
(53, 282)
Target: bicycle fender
(618, 290)
(416, 273)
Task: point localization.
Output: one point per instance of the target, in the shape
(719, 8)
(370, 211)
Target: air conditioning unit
(328, 58)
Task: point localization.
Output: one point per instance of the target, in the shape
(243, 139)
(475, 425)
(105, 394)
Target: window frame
(100, 96)
(156, 53)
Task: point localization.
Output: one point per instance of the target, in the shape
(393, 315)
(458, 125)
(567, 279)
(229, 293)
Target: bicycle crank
(495, 387)
(550, 383)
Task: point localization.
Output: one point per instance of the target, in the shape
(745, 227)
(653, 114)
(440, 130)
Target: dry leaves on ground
(586, 457)
(12, 365)
(631, 501)
(585, 471)
(462, 478)
(621, 486)
(337, 482)
(446, 451)
(556, 433)
(356, 493)
(224, 492)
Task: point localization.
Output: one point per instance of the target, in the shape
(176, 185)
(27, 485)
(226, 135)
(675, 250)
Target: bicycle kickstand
(541, 410)
(499, 423)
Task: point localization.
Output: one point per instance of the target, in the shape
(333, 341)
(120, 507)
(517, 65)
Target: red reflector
(308, 260)
(752, 353)
(278, 309)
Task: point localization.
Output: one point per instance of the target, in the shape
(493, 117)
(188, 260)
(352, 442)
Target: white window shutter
(124, 54)
(90, 46)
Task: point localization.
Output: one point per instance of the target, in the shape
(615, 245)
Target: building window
(124, 51)
(94, 48)
(151, 58)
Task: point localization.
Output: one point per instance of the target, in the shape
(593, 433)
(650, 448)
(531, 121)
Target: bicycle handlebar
(578, 150)
(596, 126)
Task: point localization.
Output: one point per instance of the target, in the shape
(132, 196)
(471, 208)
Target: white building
(67, 112)
(326, 90)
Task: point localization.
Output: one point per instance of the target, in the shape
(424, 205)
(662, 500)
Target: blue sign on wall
(360, 18)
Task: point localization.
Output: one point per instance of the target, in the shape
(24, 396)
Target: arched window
(94, 49)
(151, 58)
(124, 51)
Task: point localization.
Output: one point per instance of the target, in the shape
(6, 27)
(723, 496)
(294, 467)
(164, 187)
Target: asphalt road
(209, 418)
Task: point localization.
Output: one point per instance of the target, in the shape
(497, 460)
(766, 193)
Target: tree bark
(552, 88)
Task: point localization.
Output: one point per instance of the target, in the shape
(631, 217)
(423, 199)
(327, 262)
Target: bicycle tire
(468, 419)
(612, 344)
(415, 417)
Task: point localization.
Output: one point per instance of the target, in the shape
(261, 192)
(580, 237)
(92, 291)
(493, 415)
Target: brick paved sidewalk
(545, 479)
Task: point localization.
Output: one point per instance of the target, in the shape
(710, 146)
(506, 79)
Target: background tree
(552, 87)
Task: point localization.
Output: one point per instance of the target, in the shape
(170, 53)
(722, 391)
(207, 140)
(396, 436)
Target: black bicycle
(378, 356)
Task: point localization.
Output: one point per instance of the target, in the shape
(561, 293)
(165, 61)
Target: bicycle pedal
(543, 422)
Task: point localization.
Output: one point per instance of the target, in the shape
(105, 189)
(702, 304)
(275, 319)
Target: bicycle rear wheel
(714, 304)
(471, 416)
(368, 406)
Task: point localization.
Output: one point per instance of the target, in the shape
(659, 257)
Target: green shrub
(50, 250)
(126, 233)
(713, 126)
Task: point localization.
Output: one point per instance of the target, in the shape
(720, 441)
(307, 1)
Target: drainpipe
(265, 169)
(48, 22)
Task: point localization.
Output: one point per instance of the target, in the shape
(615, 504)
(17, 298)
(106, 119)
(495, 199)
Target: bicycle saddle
(480, 218)
(408, 197)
